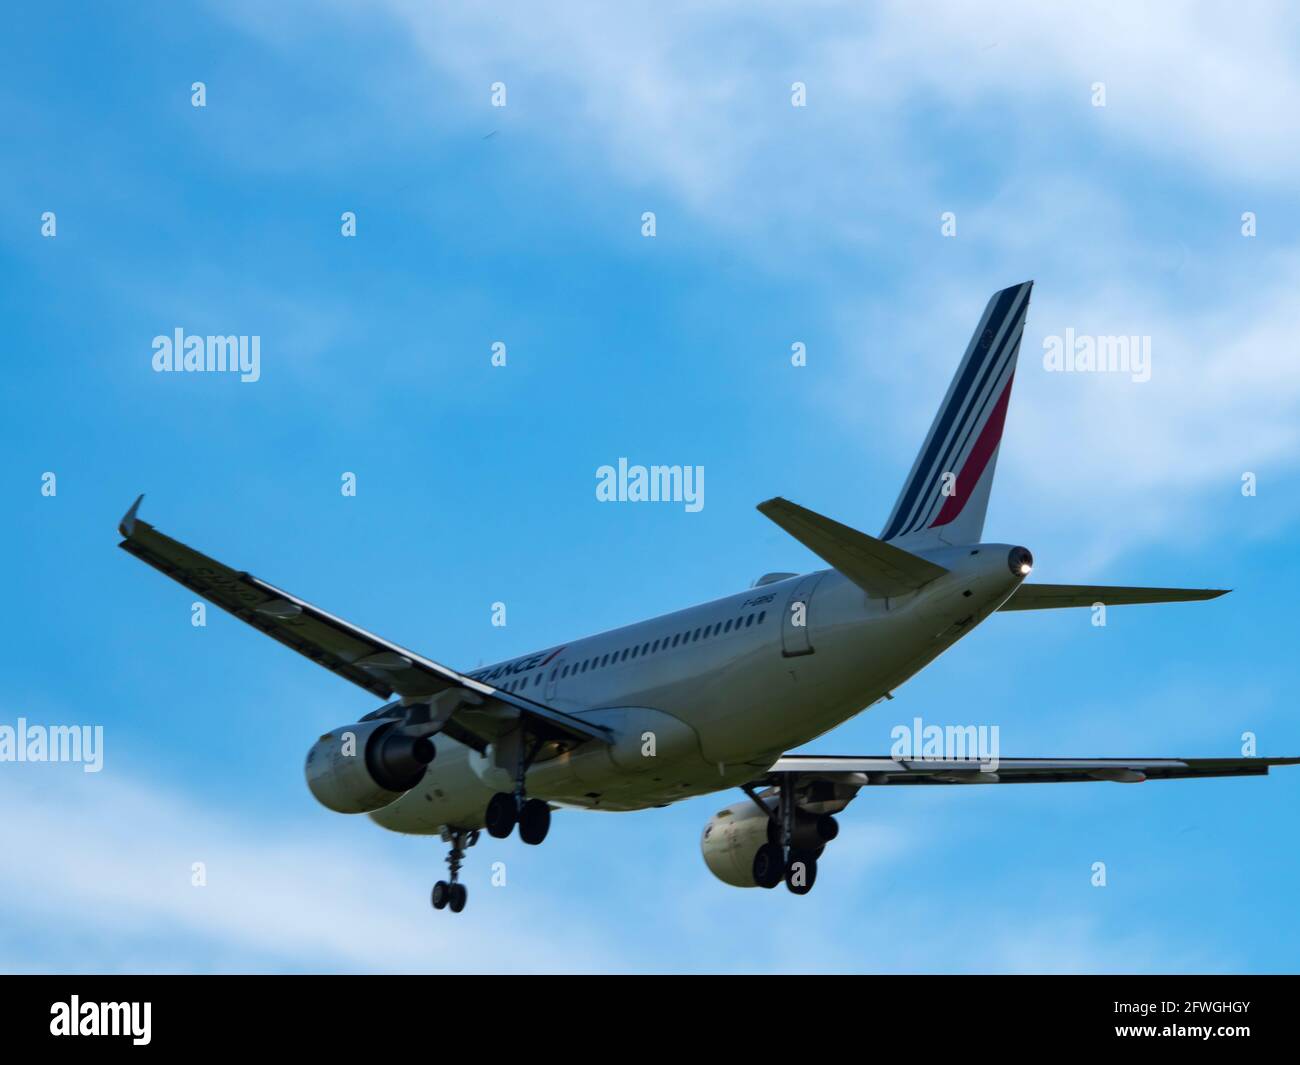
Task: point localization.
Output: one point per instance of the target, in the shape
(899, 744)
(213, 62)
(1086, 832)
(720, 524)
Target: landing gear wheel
(450, 894)
(769, 864)
(801, 873)
(534, 821)
(501, 815)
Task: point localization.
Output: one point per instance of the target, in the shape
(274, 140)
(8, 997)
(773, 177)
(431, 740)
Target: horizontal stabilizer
(1052, 596)
(881, 769)
(878, 568)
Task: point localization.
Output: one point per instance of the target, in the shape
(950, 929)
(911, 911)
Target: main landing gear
(452, 895)
(779, 859)
(505, 810)
(533, 816)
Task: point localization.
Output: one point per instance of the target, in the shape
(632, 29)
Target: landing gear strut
(452, 895)
(778, 859)
(505, 810)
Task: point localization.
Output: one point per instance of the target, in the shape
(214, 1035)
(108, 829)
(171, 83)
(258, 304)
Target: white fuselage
(709, 697)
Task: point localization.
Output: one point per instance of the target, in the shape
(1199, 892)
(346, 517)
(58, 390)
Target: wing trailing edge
(380, 667)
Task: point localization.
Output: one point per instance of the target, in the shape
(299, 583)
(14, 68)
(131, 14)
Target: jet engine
(358, 768)
(732, 837)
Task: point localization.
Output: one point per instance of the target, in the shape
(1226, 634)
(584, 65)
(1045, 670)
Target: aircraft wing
(880, 769)
(1051, 596)
(369, 661)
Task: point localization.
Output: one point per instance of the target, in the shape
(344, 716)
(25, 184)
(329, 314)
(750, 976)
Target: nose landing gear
(452, 894)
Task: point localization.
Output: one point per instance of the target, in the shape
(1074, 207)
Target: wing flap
(878, 568)
(1053, 596)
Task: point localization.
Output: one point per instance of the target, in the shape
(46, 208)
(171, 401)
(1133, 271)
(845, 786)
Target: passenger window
(749, 621)
(761, 615)
(727, 626)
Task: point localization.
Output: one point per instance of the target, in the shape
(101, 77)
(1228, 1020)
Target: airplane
(709, 698)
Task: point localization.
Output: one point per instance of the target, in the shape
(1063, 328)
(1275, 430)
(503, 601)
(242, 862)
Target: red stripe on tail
(970, 474)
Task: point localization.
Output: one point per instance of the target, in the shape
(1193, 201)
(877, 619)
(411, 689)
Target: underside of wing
(381, 667)
(1052, 596)
(881, 769)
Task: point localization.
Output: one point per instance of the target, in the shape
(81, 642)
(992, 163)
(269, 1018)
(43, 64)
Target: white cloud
(699, 95)
(95, 876)
(108, 860)
(692, 103)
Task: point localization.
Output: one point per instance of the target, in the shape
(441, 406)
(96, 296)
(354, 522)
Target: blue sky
(522, 224)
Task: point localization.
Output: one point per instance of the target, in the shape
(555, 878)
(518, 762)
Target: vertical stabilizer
(945, 496)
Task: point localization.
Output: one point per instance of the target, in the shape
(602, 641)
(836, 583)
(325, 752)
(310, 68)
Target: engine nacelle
(732, 838)
(358, 768)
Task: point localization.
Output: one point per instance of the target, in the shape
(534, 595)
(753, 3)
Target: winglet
(127, 526)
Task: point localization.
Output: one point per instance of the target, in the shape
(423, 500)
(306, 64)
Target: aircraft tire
(501, 815)
(801, 885)
(534, 821)
(769, 865)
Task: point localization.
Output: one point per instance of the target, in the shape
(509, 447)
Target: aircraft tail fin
(946, 495)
